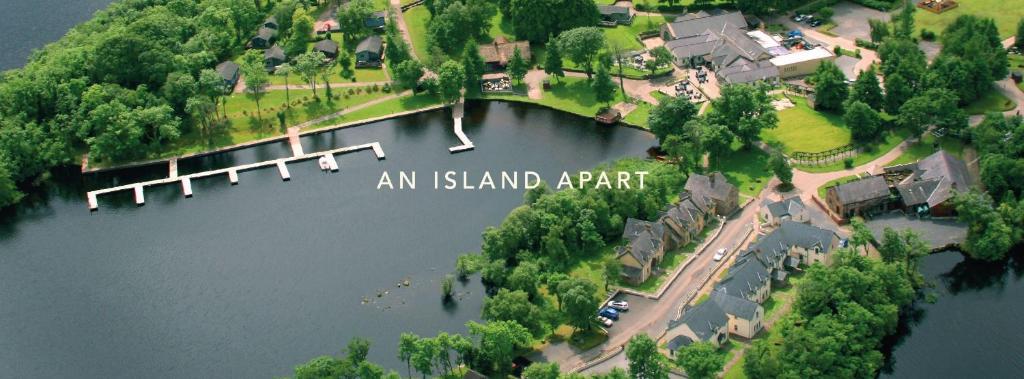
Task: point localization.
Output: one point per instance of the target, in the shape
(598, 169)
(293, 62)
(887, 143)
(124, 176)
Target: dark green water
(247, 281)
(973, 328)
(29, 25)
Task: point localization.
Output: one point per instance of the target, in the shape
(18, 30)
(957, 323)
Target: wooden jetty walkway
(232, 172)
(458, 110)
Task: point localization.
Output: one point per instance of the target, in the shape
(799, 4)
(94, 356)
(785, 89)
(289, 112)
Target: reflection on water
(971, 330)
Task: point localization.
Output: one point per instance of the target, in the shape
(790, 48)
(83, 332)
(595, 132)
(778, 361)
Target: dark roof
(693, 46)
(472, 374)
(274, 52)
(612, 9)
(271, 20)
(872, 187)
(691, 25)
(749, 72)
(792, 233)
(786, 207)
(678, 342)
(501, 50)
(746, 276)
(713, 187)
(380, 14)
(642, 246)
(736, 306)
(228, 70)
(326, 46)
(372, 44)
(945, 172)
(266, 33)
(686, 213)
(634, 227)
(704, 320)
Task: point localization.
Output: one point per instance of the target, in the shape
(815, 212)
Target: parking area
(629, 320)
(852, 20)
(936, 232)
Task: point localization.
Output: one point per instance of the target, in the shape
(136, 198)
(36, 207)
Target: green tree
(407, 348)
(892, 249)
(498, 342)
(581, 46)
(879, 30)
(322, 367)
(9, 193)
(830, 89)
(285, 70)
(541, 370)
(612, 271)
(867, 90)
(668, 117)
(700, 360)
(553, 60)
(716, 140)
(897, 92)
(517, 66)
(307, 65)
(344, 62)
(988, 235)
(603, 87)
(746, 110)
(861, 234)
(781, 168)
(578, 302)
(972, 57)
(865, 124)
(473, 64)
(644, 359)
(256, 79)
(662, 57)
(509, 305)
(301, 33)
(424, 355)
(525, 278)
(408, 73)
(1019, 42)
(903, 22)
(352, 19)
(357, 350)
(450, 78)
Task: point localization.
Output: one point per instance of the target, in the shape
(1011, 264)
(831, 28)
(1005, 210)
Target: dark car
(609, 313)
(815, 23)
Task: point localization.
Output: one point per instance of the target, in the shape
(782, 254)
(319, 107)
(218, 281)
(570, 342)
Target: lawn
(362, 75)
(807, 130)
(1005, 13)
(736, 371)
(991, 101)
(622, 36)
(652, 21)
(926, 147)
(242, 125)
(639, 115)
(891, 139)
(571, 95)
(384, 108)
(416, 19)
(745, 168)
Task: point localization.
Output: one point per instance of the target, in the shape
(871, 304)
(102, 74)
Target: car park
(609, 313)
(719, 254)
(618, 305)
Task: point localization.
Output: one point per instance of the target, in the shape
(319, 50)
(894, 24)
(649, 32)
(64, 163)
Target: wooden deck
(232, 173)
(457, 112)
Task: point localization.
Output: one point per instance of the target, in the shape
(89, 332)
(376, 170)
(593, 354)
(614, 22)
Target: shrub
(927, 35)
(866, 44)
(375, 88)
(848, 163)
(838, 50)
(826, 13)
(387, 88)
(351, 91)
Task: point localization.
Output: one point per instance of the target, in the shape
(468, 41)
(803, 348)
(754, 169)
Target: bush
(826, 13)
(838, 50)
(866, 44)
(848, 163)
(927, 35)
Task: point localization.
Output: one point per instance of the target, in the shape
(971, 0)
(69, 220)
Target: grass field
(384, 108)
(804, 129)
(362, 75)
(745, 168)
(639, 115)
(890, 141)
(416, 19)
(1005, 13)
(991, 101)
(645, 23)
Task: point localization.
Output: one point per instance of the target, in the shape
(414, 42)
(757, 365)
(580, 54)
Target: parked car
(609, 313)
(605, 321)
(798, 17)
(719, 254)
(815, 23)
(618, 305)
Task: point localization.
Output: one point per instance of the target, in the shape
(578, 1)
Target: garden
(804, 129)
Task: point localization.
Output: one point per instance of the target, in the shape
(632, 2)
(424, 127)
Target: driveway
(852, 20)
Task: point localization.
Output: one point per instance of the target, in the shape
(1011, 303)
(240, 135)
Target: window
(735, 328)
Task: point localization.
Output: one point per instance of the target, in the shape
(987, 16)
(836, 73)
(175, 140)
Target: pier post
(457, 112)
(93, 203)
(140, 197)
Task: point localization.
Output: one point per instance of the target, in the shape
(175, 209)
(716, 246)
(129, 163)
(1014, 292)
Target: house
(376, 20)
(370, 52)
(273, 57)
(228, 71)
(928, 185)
(270, 22)
(748, 278)
(328, 47)
(704, 322)
(642, 252)
(693, 24)
(775, 212)
(682, 222)
(744, 316)
(716, 189)
(612, 15)
(863, 196)
(497, 54)
(794, 243)
(801, 63)
(264, 38)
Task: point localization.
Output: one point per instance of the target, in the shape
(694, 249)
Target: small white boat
(323, 164)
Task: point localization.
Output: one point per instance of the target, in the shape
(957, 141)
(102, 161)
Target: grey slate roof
(915, 193)
(634, 227)
(746, 276)
(933, 179)
(612, 9)
(736, 306)
(749, 72)
(642, 246)
(274, 52)
(678, 342)
(715, 186)
(792, 233)
(326, 46)
(228, 70)
(693, 25)
(704, 320)
(693, 46)
(786, 207)
(372, 44)
(272, 20)
(872, 187)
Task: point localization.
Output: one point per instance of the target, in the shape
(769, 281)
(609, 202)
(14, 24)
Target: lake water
(29, 25)
(247, 281)
(973, 328)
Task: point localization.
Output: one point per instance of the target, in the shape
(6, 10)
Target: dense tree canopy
(535, 20)
(581, 46)
(864, 123)
(669, 116)
(746, 110)
(830, 89)
(645, 361)
(867, 90)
